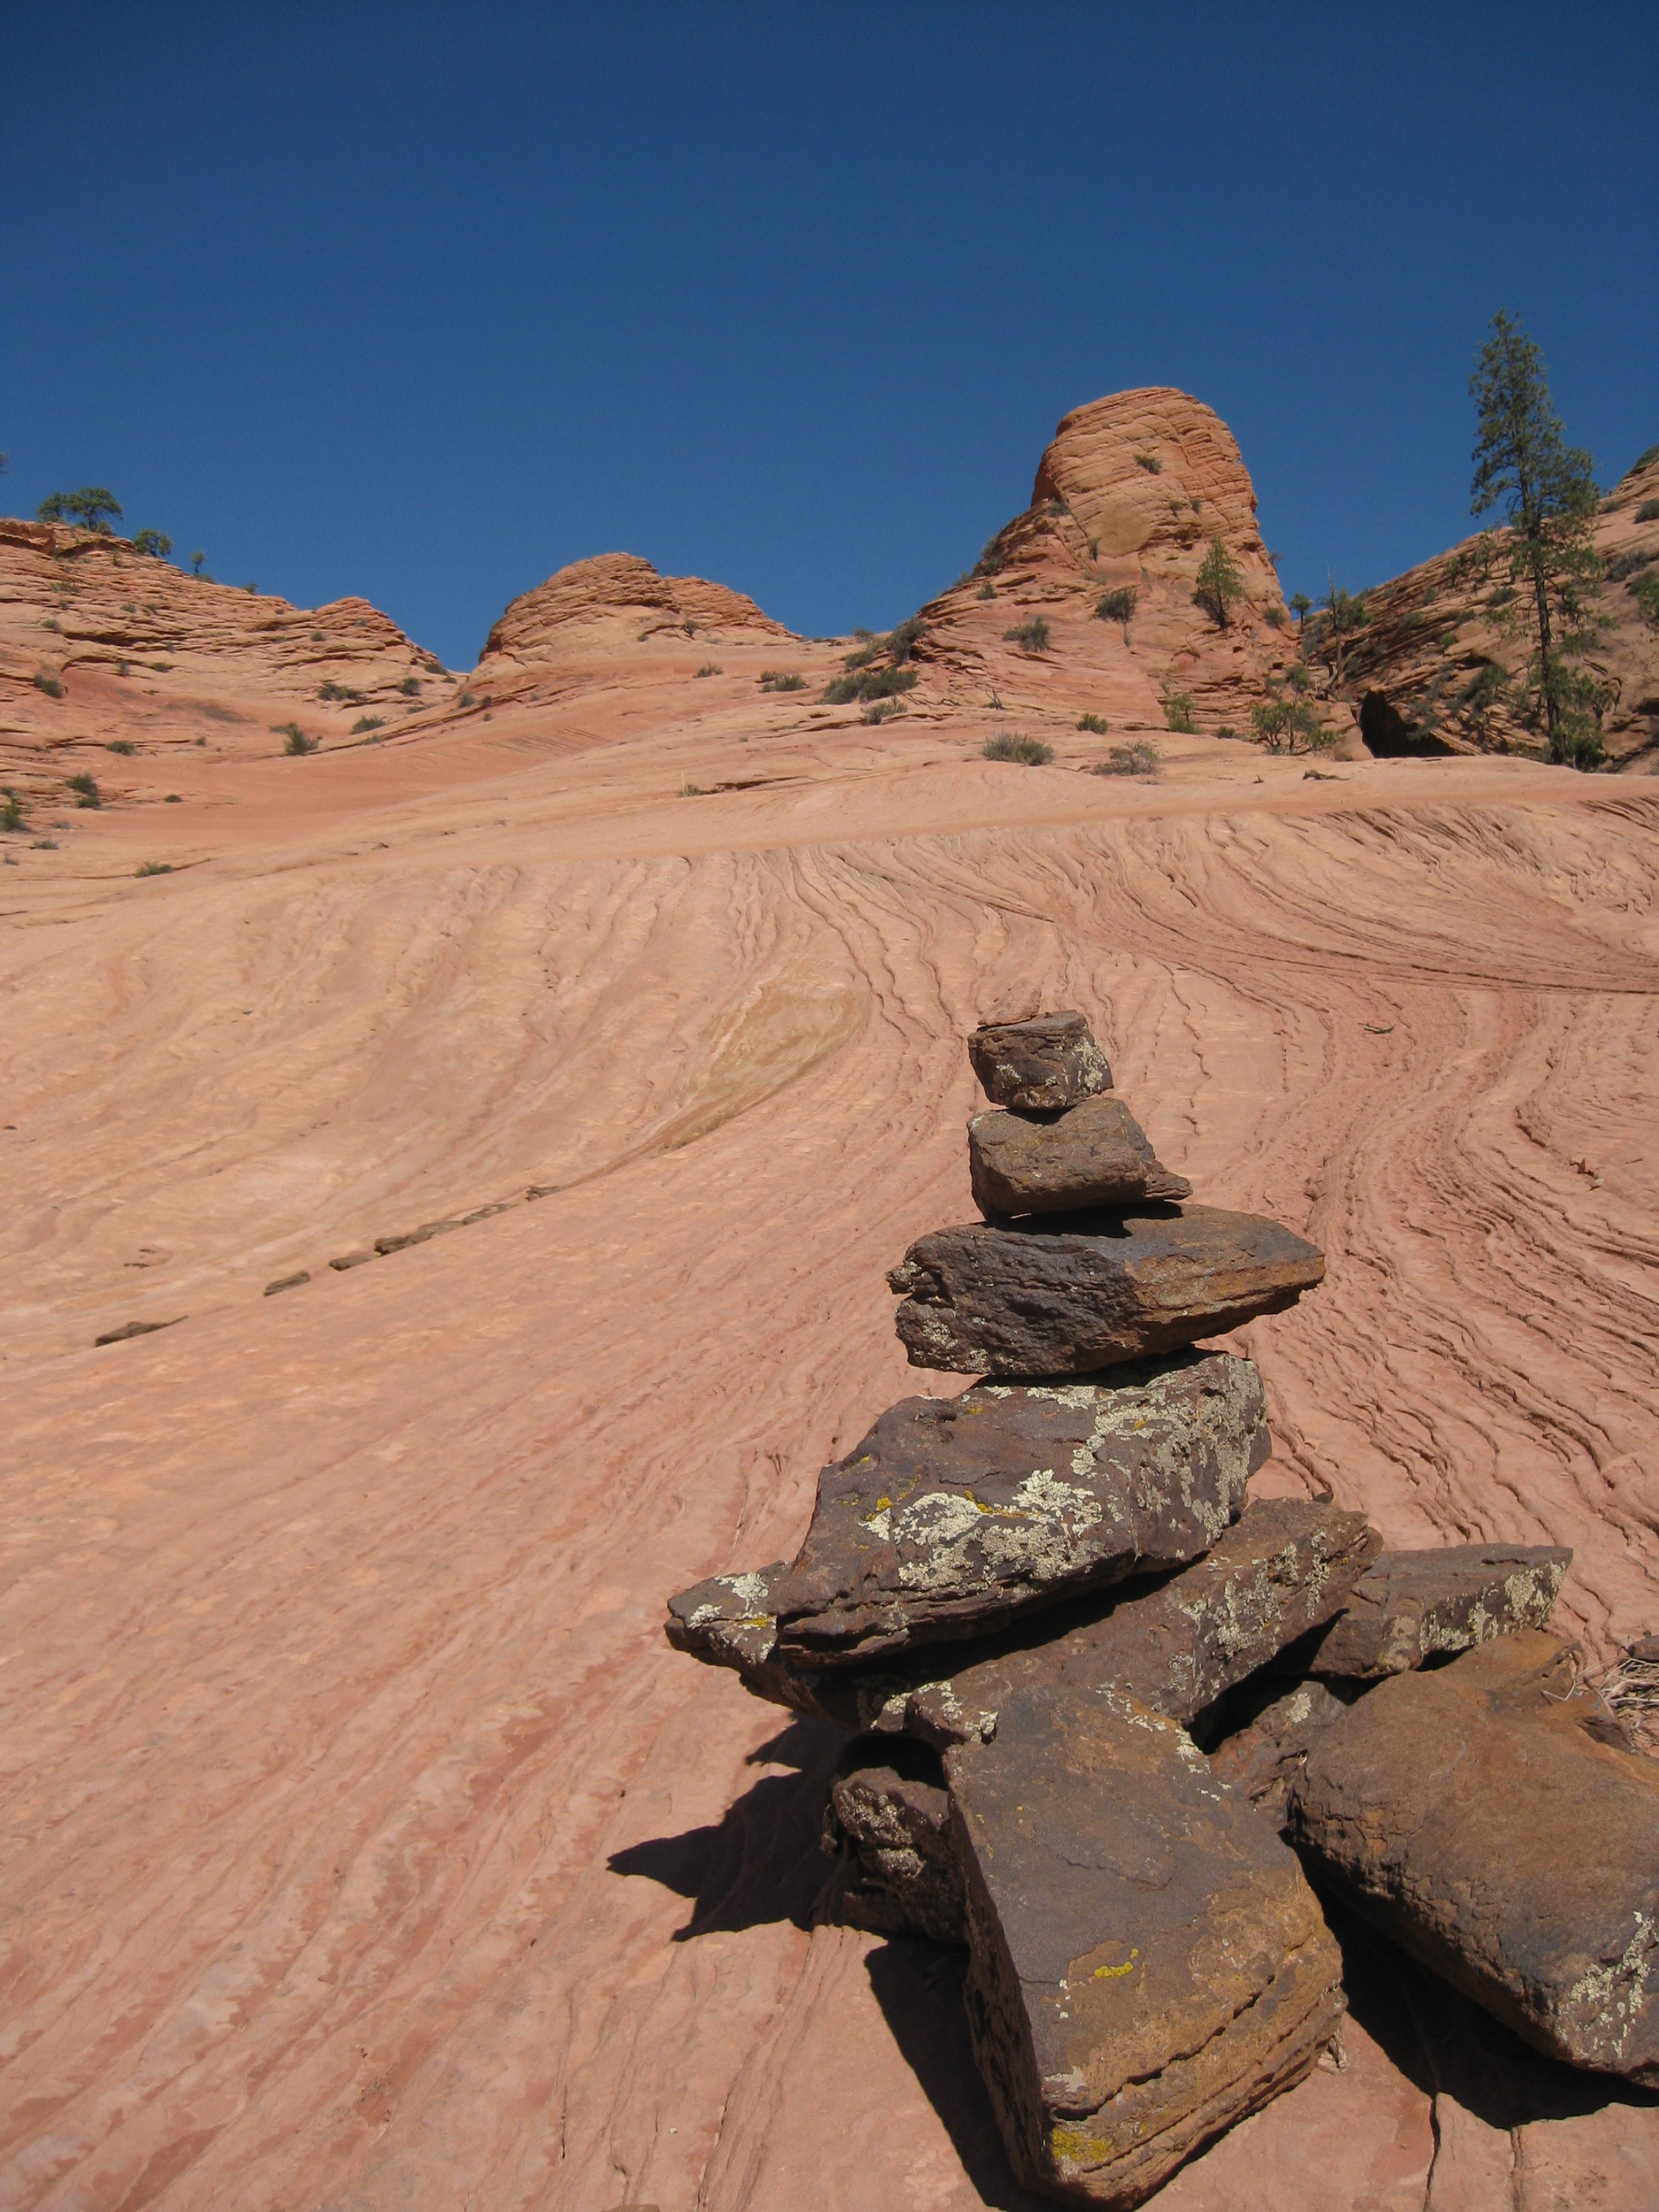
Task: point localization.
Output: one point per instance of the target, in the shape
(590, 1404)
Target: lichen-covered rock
(953, 1514)
(1147, 1964)
(1470, 1811)
(1069, 1294)
(1093, 1154)
(1284, 1568)
(1047, 1063)
(889, 1818)
(1409, 1606)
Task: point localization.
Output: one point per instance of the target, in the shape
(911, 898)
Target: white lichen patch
(1603, 2005)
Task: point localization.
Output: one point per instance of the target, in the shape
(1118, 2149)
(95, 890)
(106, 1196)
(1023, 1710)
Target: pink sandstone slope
(366, 1846)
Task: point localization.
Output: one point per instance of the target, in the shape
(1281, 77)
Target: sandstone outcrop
(1148, 1964)
(1428, 668)
(1410, 1606)
(1094, 1155)
(1043, 1065)
(1471, 1811)
(1069, 1294)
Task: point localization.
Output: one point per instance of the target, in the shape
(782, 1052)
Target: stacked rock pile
(1106, 1715)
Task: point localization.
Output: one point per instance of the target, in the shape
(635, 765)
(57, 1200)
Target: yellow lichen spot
(1115, 1973)
(1072, 2147)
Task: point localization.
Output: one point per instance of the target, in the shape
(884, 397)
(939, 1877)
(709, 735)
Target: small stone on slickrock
(1044, 1064)
(1097, 1154)
(1469, 1811)
(1148, 1963)
(888, 1817)
(953, 1514)
(1068, 1294)
(1408, 1605)
(1282, 1569)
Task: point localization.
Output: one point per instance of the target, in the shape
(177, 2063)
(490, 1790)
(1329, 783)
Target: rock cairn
(1106, 1715)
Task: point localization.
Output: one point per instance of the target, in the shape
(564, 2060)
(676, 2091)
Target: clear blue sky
(423, 302)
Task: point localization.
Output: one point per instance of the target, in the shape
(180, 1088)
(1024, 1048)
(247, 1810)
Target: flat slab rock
(1408, 1606)
(889, 1818)
(954, 1513)
(1285, 1567)
(1069, 1294)
(1473, 1815)
(1147, 1964)
(1093, 1154)
(1045, 1064)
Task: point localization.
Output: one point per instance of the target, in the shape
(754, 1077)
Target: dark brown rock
(1096, 1154)
(1285, 1568)
(889, 1819)
(1069, 1294)
(953, 1514)
(1147, 1965)
(1409, 1606)
(1268, 1749)
(1047, 1063)
(1469, 1811)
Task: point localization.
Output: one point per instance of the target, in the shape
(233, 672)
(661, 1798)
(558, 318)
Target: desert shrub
(50, 685)
(1150, 463)
(50, 623)
(782, 679)
(903, 638)
(153, 868)
(1280, 722)
(173, 799)
(296, 741)
(1502, 597)
(987, 590)
(692, 791)
(410, 686)
(154, 544)
(93, 507)
(1033, 635)
(466, 700)
(1648, 511)
(865, 653)
(992, 560)
(1628, 564)
(1008, 745)
(365, 723)
(1228, 733)
(1095, 722)
(1645, 593)
(1140, 758)
(344, 691)
(1117, 606)
(85, 790)
(880, 710)
(161, 667)
(124, 668)
(11, 810)
(708, 669)
(1220, 583)
(870, 683)
(1273, 617)
(121, 745)
(1178, 712)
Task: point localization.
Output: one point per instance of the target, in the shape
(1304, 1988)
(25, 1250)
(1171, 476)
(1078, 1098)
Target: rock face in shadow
(1148, 1963)
(1409, 1606)
(1077, 1292)
(1470, 1813)
(1264, 1754)
(953, 1514)
(1043, 1065)
(1282, 1569)
(1094, 1154)
(889, 1818)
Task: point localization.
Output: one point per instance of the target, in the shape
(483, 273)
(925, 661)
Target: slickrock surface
(1410, 1605)
(890, 1817)
(1044, 1064)
(953, 1514)
(1433, 633)
(354, 1801)
(1094, 1155)
(1471, 1811)
(1073, 1293)
(1148, 1964)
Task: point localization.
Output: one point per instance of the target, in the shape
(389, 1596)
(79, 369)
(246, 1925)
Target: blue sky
(421, 302)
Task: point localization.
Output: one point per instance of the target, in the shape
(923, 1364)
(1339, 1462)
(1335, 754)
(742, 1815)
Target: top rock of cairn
(1041, 1065)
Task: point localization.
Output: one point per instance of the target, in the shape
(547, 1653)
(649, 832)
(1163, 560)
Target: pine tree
(1546, 490)
(1219, 582)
